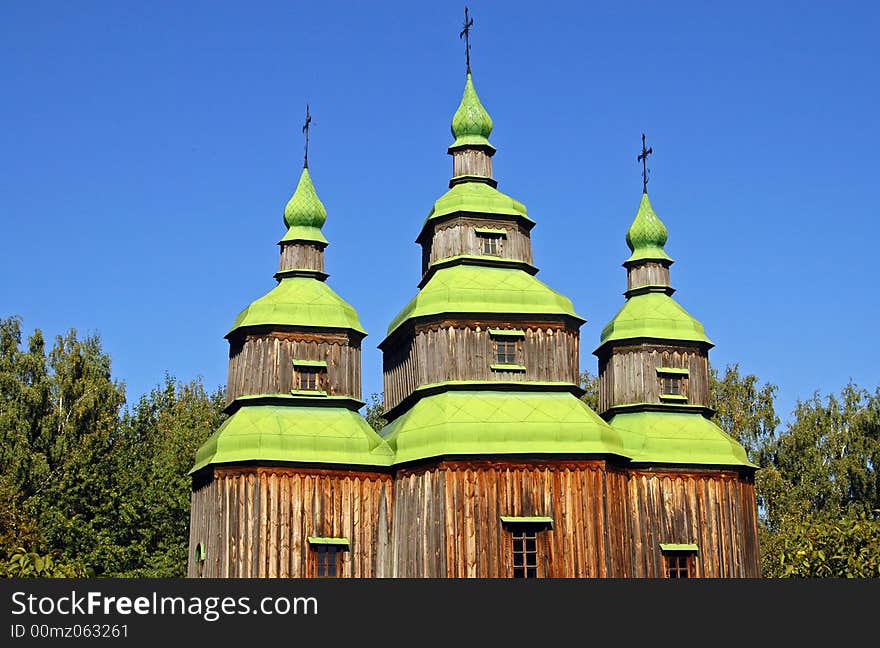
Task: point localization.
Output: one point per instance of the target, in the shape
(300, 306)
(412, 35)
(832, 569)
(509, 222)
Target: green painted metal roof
(305, 209)
(300, 301)
(294, 434)
(647, 234)
(481, 289)
(669, 546)
(477, 197)
(653, 315)
(527, 519)
(304, 233)
(500, 422)
(328, 541)
(677, 438)
(471, 124)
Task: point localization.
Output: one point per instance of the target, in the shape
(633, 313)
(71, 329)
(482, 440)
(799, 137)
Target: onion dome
(647, 234)
(471, 124)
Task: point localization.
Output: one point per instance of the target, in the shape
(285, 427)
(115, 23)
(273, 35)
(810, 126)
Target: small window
(309, 378)
(490, 244)
(525, 543)
(673, 385)
(505, 351)
(328, 560)
(679, 564)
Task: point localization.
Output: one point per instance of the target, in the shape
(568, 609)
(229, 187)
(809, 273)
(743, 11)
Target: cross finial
(466, 34)
(643, 158)
(306, 131)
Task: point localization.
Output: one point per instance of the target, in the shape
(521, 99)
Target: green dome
(471, 124)
(305, 209)
(647, 234)
(476, 197)
(500, 422)
(300, 301)
(653, 315)
(332, 435)
(484, 290)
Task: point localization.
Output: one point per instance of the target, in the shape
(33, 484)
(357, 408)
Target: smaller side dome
(647, 234)
(471, 124)
(305, 209)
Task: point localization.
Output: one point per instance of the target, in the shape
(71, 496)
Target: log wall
(460, 351)
(458, 236)
(263, 364)
(255, 522)
(629, 374)
(300, 255)
(471, 162)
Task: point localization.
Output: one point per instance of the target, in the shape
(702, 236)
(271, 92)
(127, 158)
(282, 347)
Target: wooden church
(490, 465)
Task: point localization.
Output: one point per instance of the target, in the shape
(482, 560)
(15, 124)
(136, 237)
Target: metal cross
(306, 131)
(466, 34)
(643, 158)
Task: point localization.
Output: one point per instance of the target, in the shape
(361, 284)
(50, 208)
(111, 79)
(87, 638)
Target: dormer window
(673, 384)
(679, 560)
(310, 376)
(491, 240)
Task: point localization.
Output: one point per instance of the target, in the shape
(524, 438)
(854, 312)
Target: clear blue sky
(148, 150)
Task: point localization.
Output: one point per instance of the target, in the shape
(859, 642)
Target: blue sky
(148, 150)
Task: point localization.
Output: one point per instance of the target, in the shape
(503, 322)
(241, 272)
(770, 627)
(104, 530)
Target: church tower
(293, 483)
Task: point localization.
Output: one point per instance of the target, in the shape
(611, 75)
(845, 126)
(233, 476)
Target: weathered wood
(263, 364)
(629, 374)
(466, 352)
(300, 255)
(648, 273)
(458, 236)
(471, 162)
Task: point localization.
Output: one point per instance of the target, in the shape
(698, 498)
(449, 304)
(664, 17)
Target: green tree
(375, 407)
(590, 385)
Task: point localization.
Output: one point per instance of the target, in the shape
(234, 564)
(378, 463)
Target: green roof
(499, 422)
(294, 434)
(677, 438)
(304, 233)
(653, 315)
(300, 301)
(486, 290)
(471, 124)
(477, 197)
(305, 209)
(647, 234)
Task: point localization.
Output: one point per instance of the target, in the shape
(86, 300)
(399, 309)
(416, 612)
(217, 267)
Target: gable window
(679, 560)
(673, 384)
(491, 240)
(525, 544)
(326, 556)
(310, 375)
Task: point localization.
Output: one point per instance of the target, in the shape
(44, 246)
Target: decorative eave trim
(301, 272)
(650, 288)
(407, 326)
(307, 399)
(526, 222)
(488, 149)
(422, 391)
(599, 350)
(456, 180)
(291, 328)
(684, 408)
(476, 260)
(630, 264)
(492, 231)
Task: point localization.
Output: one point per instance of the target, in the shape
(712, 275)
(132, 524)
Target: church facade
(490, 465)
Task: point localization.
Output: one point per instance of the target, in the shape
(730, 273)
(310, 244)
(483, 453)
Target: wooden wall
(255, 522)
(263, 363)
(443, 519)
(649, 273)
(471, 162)
(301, 255)
(447, 519)
(629, 373)
(714, 510)
(457, 236)
(452, 350)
